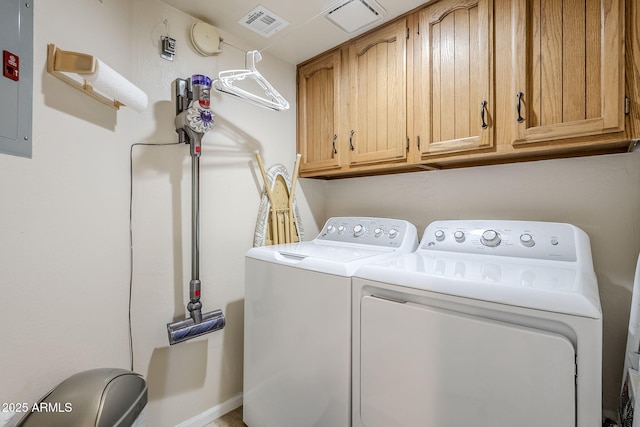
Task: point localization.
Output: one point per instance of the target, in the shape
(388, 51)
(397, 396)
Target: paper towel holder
(61, 61)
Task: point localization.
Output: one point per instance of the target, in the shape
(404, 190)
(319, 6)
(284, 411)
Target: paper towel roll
(107, 81)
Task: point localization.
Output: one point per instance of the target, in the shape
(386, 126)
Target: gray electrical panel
(16, 81)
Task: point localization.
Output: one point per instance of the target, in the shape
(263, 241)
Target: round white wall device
(205, 39)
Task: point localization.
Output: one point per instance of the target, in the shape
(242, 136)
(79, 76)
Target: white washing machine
(297, 321)
(487, 324)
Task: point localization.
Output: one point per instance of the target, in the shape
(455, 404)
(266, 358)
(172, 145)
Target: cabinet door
(377, 66)
(569, 68)
(454, 75)
(319, 106)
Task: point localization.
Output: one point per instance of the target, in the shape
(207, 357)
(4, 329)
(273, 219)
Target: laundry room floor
(232, 419)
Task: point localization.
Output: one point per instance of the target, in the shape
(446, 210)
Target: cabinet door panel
(378, 95)
(454, 76)
(569, 68)
(319, 104)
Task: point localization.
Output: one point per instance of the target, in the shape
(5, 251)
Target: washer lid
(332, 258)
(205, 39)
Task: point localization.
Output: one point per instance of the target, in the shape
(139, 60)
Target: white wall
(64, 216)
(600, 194)
(63, 221)
(191, 377)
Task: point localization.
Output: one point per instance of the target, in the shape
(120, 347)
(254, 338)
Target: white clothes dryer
(297, 321)
(488, 323)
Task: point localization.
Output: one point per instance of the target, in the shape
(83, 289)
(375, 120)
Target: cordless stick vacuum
(193, 119)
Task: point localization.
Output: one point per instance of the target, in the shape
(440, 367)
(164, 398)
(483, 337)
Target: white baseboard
(213, 413)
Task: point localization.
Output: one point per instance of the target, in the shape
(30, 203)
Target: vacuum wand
(191, 124)
(195, 306)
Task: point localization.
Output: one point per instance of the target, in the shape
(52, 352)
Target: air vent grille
(354, 15)
(263, 22)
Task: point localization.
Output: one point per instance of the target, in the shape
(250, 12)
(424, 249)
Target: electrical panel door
(16, 81)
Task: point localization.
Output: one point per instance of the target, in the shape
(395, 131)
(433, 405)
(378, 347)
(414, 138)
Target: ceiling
(307, 34)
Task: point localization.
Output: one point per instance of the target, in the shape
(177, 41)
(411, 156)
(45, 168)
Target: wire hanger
(225, 83)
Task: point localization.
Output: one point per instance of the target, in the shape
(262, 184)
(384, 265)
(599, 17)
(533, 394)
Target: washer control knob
(490, 238)
(393, 233)
(378, 232)
(359, 230)
(341, 229)
(527, 240)
(439, 235)
(459, 236)
(331, 228)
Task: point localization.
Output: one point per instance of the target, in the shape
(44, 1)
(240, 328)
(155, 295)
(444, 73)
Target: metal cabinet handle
(334, 144)
(351, 140)
(482, 110)
(519, 106)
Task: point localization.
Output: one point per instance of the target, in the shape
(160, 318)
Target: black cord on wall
(131, 236)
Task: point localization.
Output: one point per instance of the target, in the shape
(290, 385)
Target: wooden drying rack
(61, 61)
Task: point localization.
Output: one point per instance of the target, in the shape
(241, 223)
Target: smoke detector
(263, 21)
(353, 15)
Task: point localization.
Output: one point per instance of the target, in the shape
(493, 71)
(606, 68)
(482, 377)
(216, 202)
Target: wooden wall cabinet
(352, 104)
(569, 68)
(454, 97)
(460, 83)
(378, 94)
(320, 106)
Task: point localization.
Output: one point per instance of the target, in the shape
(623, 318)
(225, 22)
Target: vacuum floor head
(183, 330)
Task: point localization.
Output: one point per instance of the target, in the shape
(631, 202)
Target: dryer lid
(560, 288)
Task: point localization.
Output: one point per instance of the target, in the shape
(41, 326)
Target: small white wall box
(16, 81)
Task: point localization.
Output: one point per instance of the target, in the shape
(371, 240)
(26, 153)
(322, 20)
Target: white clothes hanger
(225, 83)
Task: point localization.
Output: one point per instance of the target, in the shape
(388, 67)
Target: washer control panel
(527, 239)
(385, 232)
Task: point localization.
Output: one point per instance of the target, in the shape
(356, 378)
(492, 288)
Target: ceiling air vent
(353, 15)
(263, 22)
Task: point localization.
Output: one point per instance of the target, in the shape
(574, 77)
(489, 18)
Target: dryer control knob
(378, 232)
(439, 235)
(527, 240)
(459, 236)
(393, 233)
(341, 229)
(490, 238)
(359, 230)
(331, 228)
